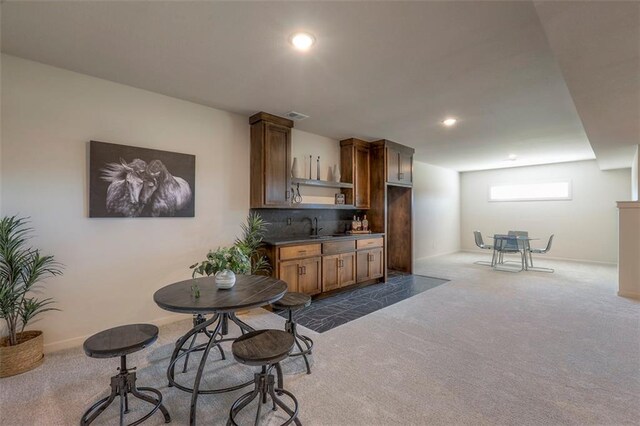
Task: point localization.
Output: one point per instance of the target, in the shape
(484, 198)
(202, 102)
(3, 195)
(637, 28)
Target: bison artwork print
(127, 181)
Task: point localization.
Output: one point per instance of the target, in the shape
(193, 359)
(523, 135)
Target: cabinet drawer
(369, 242)
(338, 247)
(295, 252)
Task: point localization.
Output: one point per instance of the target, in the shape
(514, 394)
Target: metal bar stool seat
(292, 302)
(265, 349)
(119, 342)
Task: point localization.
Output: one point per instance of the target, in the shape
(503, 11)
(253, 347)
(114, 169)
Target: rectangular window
(547, 191)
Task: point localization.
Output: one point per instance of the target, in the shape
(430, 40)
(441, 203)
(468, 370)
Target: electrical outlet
(288, 221)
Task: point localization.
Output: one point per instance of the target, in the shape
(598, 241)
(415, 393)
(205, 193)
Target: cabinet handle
(299, 270)
(370, 257)
(304, 270)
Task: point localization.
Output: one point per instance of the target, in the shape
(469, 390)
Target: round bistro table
(249, 291)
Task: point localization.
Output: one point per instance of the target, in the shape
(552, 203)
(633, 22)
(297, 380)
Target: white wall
(585, 227)
(304, 144)
(436, 217)
(635, 175)
(113, 266)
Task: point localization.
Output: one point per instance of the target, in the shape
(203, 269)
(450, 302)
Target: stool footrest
(124, 384)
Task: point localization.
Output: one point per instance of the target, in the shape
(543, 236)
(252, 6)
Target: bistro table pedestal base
(215, 338)
(250, 291)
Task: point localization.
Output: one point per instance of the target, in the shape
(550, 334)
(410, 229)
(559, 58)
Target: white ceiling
(597, 46)
(379, 70)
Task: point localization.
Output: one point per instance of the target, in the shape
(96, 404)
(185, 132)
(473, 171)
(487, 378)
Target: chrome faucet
(314, 228)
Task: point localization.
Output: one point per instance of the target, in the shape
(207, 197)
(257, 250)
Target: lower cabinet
(302, 275)
(338, 270)
(313, 268)
(369, 264)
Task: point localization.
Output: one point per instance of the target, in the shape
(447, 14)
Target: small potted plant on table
(22, 269)
(244, 257)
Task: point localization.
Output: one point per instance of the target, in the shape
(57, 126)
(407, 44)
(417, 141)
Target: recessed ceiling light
(449, 122)
(302, 41)
(513, 157)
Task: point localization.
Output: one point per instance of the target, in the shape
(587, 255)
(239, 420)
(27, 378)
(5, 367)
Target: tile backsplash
(331, 221)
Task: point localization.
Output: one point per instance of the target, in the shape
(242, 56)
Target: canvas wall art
(127, 181)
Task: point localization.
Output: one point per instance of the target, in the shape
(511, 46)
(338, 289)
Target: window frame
(569, 197)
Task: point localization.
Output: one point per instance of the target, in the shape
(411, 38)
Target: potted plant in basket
(22, 269)
(244, 257)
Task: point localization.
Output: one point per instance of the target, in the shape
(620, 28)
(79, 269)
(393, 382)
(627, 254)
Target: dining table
(200, 297)
(510, 243)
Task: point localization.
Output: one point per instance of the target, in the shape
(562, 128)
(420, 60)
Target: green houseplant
(244, 257)
(253, 232)
(229, 258)
(22, 270)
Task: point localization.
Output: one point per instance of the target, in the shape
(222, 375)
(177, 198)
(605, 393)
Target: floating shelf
(316, 206)
(322, 183)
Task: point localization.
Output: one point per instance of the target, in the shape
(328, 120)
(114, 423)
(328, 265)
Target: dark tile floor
(330, 312)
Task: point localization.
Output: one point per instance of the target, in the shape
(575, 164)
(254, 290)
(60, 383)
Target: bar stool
(121, 341)
(264, 348)
(293, 302)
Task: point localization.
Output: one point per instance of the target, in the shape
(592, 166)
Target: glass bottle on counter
(354, 224)
(365, 223)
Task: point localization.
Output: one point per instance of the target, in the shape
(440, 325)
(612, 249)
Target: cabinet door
(330, 272)
(289, 272)
(277, 153)
(347, 269)
(406, 168)
(393, 165)
(362, 265)
(361, 177)
(309, 282)
(376, 263)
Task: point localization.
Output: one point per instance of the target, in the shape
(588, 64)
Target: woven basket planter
(24, 356)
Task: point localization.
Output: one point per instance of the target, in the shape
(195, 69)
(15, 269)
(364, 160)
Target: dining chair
(480, 243)
(524, 244)
(542, 251)
(509, 244)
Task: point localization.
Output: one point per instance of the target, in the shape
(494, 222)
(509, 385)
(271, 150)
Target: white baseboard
(436, 255)
(78, 341)
(544, 256)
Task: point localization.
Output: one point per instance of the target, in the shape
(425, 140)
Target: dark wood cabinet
(399, 165)
(270, 160)
(302, 275)
(354, 168)
(289, 271)
(310, 281)
(338, 270)
(370, 264)
(392, 201)
(314, 268)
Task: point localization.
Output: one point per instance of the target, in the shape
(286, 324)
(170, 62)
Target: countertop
(305, 239)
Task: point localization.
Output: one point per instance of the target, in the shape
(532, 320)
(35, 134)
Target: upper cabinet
(354, 166)
(270, 160)
(399, 162)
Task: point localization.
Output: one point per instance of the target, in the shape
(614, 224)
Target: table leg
(244, 327)
(196, 384)
(181, 342)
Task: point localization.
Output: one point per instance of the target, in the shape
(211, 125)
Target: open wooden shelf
(316, 206)
(321, 183)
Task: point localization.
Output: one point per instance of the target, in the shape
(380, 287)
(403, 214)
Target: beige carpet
(486, 348)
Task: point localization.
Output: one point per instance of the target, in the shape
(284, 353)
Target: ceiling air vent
(295, 116)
